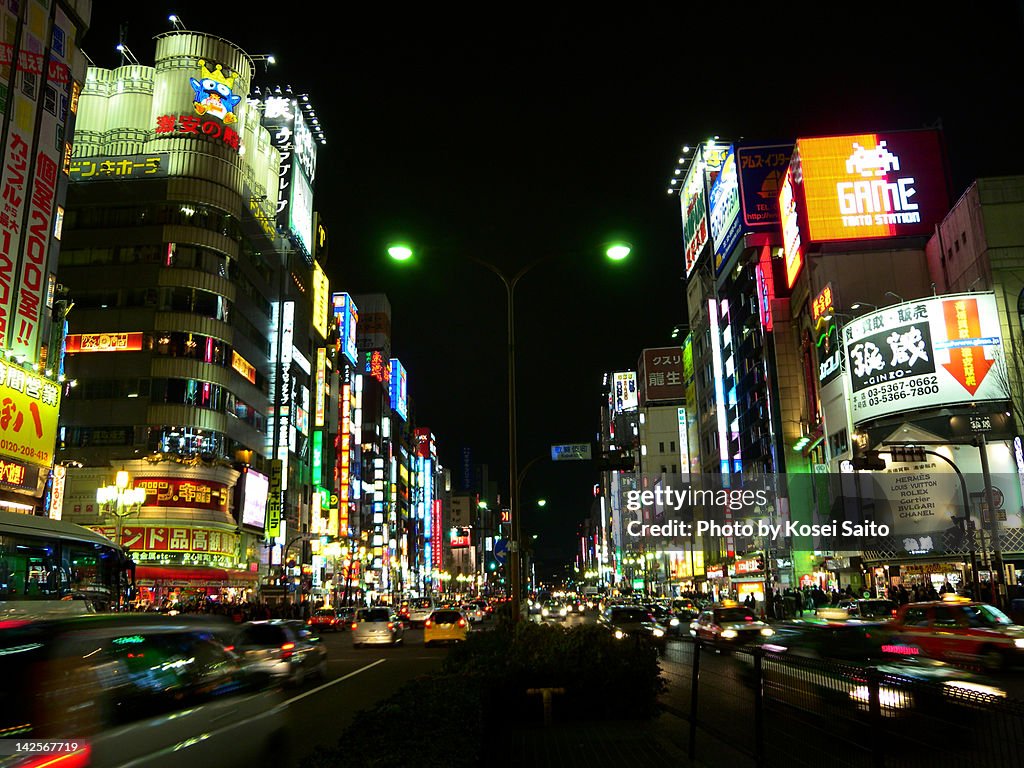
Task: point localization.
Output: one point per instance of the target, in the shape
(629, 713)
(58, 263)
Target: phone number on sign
(894, 391)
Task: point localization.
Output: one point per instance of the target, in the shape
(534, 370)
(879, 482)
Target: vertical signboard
(320, 396)
(347, 317)
(761, 169)
(624, 394)
(661, 375)
(792, 243)
(724, 215)
(285, 388)
(274, 499)
(399, 389)
(321, 300)
(60, 474)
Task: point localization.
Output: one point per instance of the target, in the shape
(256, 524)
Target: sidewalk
(615, 744)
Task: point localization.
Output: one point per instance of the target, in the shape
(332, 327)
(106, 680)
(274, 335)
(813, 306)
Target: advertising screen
(348, 317)
(872, 185)
(792, 243)
(399, 389)
(927, 353)
(761, 170)
(321, 299)
(624, 394)
(255, 490)
(300, 211)
(724, 217)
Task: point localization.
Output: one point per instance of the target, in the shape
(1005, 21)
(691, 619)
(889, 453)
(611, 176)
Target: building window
(672, 447)
(661, 447)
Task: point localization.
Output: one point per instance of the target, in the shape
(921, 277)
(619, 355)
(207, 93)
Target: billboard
(255, 491)
(792, 241)
(399, 389)
(761, 170)
(872, 185)
(103, 342)
(348, 317)
(927, 353)
(661, 375)
(724, 210)
(29, 405)
(187, 493)
(321, 300)
(624, 394)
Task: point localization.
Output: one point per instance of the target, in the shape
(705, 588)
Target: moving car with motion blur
(376, 626)
(632, 621)
(816, 667)
(445, 626)
(960, 630)
(866, 609)
(285, 649)
(136, 689)
(729, 625)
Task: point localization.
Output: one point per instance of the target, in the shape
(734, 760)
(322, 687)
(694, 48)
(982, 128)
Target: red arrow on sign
(968, 365)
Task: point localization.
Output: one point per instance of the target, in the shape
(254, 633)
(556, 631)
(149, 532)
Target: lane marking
(332, 682)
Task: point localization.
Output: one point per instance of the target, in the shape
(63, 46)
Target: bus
(43, 561)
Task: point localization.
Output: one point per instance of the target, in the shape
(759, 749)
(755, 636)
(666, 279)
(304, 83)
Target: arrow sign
(967, 362)
(501, 550)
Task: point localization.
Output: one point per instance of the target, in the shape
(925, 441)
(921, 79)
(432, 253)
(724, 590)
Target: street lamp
(120, 500)
(616, 252)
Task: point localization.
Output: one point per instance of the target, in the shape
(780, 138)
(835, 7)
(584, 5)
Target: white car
(420, 609)
(376, 626)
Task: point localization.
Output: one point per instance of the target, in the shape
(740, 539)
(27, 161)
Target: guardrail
(757, 707)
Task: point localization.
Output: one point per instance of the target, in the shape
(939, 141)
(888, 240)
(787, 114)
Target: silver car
(376, 626)
(284, 649)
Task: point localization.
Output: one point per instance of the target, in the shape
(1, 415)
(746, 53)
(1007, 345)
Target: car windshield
(986, 616)
(374, 614)
(630, 615)
(446, 617)
(420, 602)
(733, 614)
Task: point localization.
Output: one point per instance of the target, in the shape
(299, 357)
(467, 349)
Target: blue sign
(501, 550)
(761, 170)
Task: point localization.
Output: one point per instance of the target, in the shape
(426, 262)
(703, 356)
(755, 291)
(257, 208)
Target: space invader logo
(876, 161)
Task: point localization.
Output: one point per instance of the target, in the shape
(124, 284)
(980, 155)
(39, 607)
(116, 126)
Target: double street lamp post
(615, 252)
(120, 500)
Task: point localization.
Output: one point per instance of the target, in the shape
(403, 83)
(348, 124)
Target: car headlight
(619, 634)
(659, 633)
(693, 625)
(767, 632)
(728, 634)
(544, 612)
(563, 612)
(1019, 642)
(674, 622)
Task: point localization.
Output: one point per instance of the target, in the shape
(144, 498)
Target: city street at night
(402, 387)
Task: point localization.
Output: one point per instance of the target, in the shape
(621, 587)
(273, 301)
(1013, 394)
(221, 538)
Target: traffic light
(869, 460)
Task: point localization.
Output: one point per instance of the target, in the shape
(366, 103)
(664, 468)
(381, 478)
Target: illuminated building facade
(197, 323)
(41, 75)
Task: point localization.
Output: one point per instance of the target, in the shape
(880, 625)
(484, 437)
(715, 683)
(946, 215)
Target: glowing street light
(400, 252)
(618, 251)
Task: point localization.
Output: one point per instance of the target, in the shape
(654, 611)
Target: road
(320, 710)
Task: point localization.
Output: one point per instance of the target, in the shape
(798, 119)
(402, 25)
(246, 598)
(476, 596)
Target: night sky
(512, 135)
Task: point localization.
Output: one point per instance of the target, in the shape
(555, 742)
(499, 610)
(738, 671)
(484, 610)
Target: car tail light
(309, 621)
(229, 647)
(286, 650)
(354, 625)
(428, 623)
(462, 622)
(77, 759)
(391, 625)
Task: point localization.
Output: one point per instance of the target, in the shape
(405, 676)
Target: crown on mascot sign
(218, 73)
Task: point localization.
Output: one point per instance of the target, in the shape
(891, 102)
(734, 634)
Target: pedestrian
(798, 602)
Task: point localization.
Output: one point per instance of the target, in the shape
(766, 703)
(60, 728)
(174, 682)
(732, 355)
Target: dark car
(287, 650)
(729, 625)
(634, 621)
(869, 609)
(129, 687)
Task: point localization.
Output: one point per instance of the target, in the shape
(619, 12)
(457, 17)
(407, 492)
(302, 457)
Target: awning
(184, 573)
